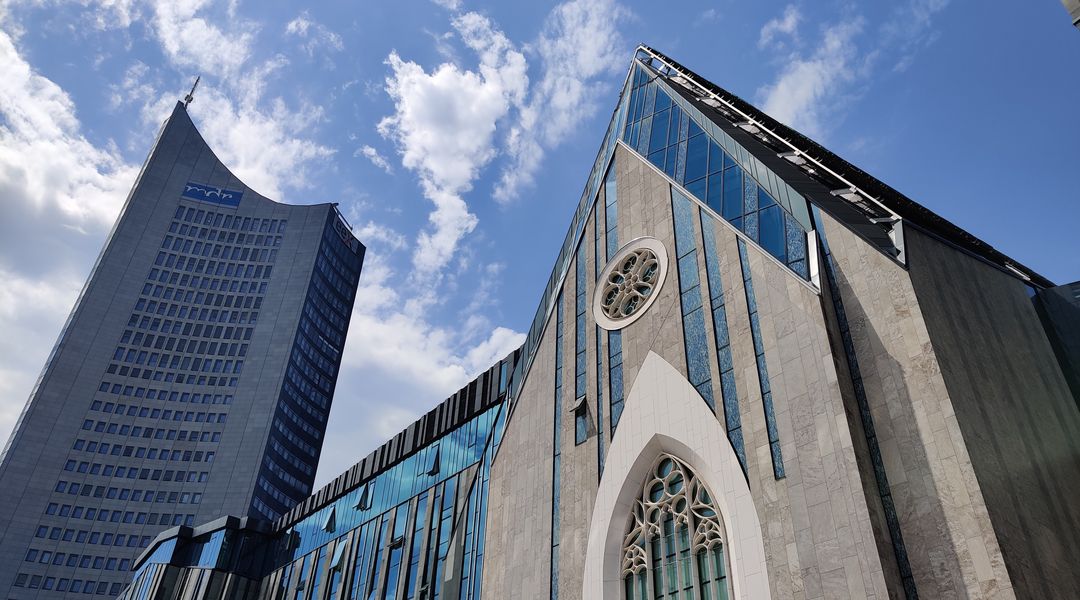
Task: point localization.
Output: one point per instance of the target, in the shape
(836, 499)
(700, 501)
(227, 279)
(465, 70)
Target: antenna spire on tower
(191, 95)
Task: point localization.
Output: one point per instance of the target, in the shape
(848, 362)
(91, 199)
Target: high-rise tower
(193, 378)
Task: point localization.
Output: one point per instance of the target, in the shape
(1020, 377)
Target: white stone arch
(664, 413)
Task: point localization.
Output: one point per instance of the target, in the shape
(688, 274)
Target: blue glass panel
(777, 460)
(744, 264)
(728, 161)
(796, 238)
(716, 158)
(688, 271)
(684, 128)
(650, 99)
(772, 231)
(750, 225)
(720, 318)
(697, 348)
(684, 224)
(643, 136)
(694, 129)
(705, 389)
(696, 188)
(800, 267)
(673, 130)
(659, 134)
(755, 327)
(712, 260)
(735, 435)
(763, 375)
(691, 299)
(662, 100)
(680, 166)
(616, 410)
(716, 193)
(697, 155)
(672, 161)
(732, 193)
(750, 197)
(657, 158)
(770, 424)
(581, 429)
(764, 199)
(731, 400)
(724, 362)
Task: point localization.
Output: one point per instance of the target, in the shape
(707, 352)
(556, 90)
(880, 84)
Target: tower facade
(193, 377)
(755, 372)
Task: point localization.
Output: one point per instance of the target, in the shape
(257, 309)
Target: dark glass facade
(150, 411)
(412, 528)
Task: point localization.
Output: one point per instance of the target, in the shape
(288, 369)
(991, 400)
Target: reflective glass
(662, 100)
(716, 193)
(716, 158)
(696, 157)
(658, 136)
(772, 232)
(732, 193)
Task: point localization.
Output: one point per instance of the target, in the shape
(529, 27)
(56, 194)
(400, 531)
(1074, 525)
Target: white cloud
(60, 194)
(579, 43)
(806, 86)
(373, 234)
(376, 159)
(786, 24)
(448, 4)
(48, 166)
(314, 35)
(444, 124)
(191, 40)
(835, 72)
(910, 29)
(268, 148)
(396, 336)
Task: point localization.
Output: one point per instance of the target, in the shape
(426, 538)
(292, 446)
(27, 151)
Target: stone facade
(863, 393)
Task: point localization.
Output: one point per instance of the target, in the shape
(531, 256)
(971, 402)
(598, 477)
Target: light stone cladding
(905, 428)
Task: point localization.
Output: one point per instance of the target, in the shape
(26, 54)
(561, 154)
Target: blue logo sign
(209, 193)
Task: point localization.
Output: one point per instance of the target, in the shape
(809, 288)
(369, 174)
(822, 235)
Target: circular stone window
(630, 283)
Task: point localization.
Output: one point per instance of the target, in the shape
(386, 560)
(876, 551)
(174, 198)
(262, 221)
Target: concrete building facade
(755, 371)
(193, 377)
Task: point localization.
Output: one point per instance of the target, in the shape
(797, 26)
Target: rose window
(630, 283)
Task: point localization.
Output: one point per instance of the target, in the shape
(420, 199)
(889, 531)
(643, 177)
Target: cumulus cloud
(61, 191)
(269, 149)
(373, 234)
(807, 85)
(444, 125)
(60, 194)
(192, 39)
(786, 24)
(579, 43)
(376, 159)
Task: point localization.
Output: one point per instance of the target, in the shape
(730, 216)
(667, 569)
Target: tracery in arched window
(674, 542)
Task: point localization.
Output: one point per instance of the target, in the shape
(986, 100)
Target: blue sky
(457, 137)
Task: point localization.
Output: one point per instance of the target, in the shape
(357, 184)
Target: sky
(457, 137)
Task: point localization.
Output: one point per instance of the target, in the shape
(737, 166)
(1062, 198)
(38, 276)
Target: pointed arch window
(674, 541)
